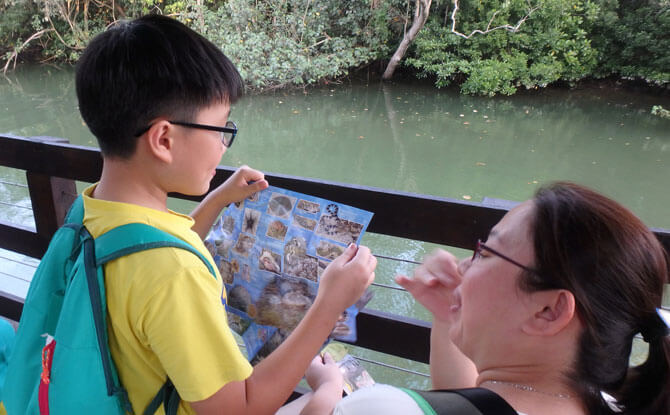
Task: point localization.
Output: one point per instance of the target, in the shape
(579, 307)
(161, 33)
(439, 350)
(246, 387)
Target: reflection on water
(408, 137)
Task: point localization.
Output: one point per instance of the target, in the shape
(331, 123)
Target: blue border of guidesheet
(271, 250)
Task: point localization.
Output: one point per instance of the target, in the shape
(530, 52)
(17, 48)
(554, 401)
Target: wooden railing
(52, 167)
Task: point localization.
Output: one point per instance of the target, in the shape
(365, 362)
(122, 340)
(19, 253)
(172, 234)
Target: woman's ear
(551, 312)
(159, 141)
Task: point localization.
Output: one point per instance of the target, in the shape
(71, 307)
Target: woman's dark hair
(141, 69)
(615, 267)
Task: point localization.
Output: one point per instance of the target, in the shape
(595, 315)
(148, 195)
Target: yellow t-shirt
(165, 315)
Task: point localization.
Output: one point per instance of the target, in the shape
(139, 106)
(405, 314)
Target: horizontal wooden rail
(433, 219)
(52, 166)
(439, 220)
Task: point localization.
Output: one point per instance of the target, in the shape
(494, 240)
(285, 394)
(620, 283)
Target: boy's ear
(552, 310)
(159, 140)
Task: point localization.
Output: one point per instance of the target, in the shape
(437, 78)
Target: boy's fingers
(372, 262)
(371, 279)
(327, 358)
(362, 254)
(347, 255)
(251, 174)
(259, 185)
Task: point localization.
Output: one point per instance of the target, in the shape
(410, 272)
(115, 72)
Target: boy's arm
(274, 378)
(326, 381)
(242, 184)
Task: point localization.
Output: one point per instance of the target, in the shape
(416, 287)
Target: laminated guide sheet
(271, 250)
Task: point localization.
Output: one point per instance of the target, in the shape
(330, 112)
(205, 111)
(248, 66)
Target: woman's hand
(434, 282)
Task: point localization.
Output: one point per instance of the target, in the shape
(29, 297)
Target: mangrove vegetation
(485, 47)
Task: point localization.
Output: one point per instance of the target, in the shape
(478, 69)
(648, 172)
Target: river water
(408, 137)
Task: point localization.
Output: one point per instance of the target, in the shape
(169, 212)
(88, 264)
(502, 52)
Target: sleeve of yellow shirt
(186, 327)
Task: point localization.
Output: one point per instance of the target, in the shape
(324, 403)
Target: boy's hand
(324, 370)
(345, 279)
(242, 184)
(434, 282)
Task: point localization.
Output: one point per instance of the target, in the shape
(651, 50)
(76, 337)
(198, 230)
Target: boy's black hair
(145, 68)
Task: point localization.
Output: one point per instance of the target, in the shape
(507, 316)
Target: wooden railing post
(51, 197)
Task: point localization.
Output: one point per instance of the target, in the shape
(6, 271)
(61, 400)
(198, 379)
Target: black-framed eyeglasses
(481, 246)
(228, 132)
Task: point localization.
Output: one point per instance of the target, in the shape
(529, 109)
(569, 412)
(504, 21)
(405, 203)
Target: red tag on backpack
(45, 377)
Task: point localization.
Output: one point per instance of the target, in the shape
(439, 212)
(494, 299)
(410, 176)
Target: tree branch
(421, 11)
(15, 54)
(488, 29)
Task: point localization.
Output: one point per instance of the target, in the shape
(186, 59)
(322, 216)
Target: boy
(157, 97)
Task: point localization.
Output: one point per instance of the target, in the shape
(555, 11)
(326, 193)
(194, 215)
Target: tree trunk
(422, 9)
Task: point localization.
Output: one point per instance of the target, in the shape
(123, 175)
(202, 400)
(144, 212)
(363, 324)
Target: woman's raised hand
(433, 282)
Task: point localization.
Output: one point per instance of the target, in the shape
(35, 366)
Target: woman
(543, 314)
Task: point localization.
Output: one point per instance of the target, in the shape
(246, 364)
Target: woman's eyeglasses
(478, 252)
(228, 132)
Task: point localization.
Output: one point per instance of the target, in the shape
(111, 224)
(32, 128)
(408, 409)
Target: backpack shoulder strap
(76, 212)
(129, 238)
(113, 244)
(470, 401)
(136, 237)
(487, 401)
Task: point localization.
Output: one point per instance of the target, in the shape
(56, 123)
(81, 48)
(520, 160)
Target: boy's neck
(122, 181)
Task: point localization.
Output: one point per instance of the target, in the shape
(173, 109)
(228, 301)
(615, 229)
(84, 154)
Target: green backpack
(467, 401)
(61, 362)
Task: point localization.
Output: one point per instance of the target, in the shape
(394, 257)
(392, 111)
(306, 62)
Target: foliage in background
(274, 43)
(660, 111)
(551, 45)
(277, 43)
(633, 38)
(563, 40)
